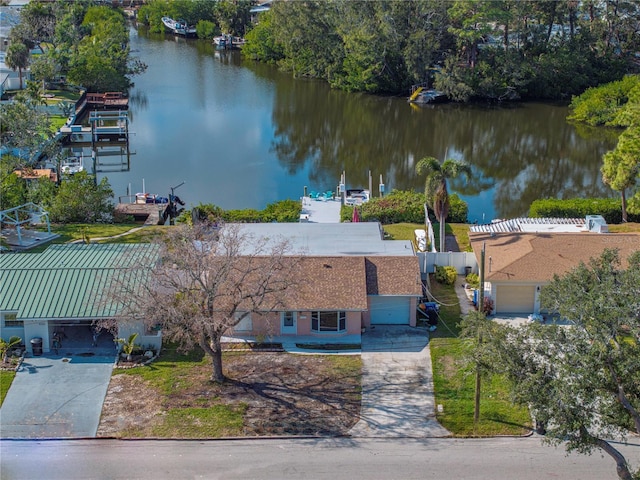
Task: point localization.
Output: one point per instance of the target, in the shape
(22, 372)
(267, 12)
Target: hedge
(284, 211)
(403, 206)
(609, 208)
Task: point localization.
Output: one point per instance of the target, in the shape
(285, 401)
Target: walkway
(397, 385)
(54, 396)
(320, 211)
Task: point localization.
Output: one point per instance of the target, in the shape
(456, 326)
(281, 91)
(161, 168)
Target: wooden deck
(151, 213)
(107, 100)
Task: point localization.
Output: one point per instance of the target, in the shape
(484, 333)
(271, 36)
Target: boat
(228, 41)
(179, 27)
(71, 165)
(150, 198)
(423, 96)
(356, 196)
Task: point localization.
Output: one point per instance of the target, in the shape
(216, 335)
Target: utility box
(596, 224)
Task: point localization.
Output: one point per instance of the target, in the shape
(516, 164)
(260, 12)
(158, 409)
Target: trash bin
(467, 270)
(36, 346)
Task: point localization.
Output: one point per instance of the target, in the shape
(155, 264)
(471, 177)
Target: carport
(77, 338)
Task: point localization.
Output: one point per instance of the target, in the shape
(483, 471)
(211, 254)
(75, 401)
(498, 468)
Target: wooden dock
(107, 100)
(150, 213)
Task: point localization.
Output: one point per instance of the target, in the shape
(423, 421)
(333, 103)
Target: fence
(462, 261)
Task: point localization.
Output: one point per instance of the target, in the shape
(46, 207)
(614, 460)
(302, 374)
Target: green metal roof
(70, 281)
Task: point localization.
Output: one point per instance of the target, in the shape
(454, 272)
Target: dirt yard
(280, 394)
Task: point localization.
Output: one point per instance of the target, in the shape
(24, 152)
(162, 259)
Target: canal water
(242, 134)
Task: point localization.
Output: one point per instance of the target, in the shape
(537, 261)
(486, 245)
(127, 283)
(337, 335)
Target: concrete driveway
(56, 397)
(397, 385)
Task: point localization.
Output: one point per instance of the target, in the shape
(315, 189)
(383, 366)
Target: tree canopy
(468, 49)
(206, 283)
(580, 381)
(435, 186)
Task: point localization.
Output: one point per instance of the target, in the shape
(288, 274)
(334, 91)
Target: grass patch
(6, 378)
(212, 422)
(625, 228)
(461, 232)
(266, 393)
(144, 235)
(454, 381)
(405, 231)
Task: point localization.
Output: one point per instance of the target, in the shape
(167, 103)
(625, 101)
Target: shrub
(473, 280)
(283, 211)
(446, 275)
(403, 206)
(458, 209)
(609, 208)
(487, 306)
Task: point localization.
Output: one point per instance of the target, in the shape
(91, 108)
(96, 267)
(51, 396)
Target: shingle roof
(539, 256)
(329, 283)
(67, 281)
(393, 276)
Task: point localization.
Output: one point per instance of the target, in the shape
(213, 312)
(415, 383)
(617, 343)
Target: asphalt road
(335, 459)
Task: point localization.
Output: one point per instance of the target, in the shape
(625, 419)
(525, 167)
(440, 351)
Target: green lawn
(454, 382)
(6, 377)
(405, 231)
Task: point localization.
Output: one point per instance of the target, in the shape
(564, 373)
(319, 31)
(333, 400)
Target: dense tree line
(466, 48)
(616, 104)
(83, 41)
(210, 18)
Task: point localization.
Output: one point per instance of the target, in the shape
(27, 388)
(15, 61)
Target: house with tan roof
(340, 295)
(518, 264)
(335, 295)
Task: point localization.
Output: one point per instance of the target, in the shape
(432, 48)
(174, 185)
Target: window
(328, 321)
(11, 320)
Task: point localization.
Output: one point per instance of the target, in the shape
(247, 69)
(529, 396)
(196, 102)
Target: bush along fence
(609, 208)
(402, 206)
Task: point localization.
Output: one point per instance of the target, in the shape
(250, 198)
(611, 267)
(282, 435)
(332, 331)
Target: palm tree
(17, 58)
(435, 186)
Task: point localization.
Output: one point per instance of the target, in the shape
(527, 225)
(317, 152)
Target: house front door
(288, 323)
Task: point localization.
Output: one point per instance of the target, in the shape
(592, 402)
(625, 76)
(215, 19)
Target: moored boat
(150, 198)
(72, 165)
(179, 27)
(228, 41)
(423, 96)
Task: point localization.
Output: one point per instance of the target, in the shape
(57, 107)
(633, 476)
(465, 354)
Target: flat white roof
(331, 239)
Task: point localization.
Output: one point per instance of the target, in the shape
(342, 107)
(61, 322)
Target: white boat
(228, 41)
(179, 27)
(72, 165)
(356, 196)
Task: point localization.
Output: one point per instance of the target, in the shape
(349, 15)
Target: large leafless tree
(205, 282)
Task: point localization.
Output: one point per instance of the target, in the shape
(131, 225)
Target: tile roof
(539, 256)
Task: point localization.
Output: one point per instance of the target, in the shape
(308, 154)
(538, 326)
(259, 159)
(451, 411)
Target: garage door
(515, 299)
(389, 310)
